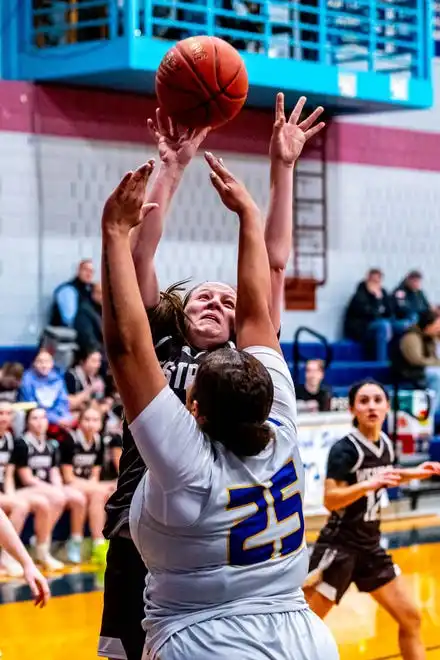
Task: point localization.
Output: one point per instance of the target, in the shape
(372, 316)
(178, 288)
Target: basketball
(202, 81)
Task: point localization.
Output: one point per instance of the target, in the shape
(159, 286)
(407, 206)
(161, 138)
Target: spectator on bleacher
(18, 504)
(112, 456)
(16, 509)
(45, 386)
(415, 359)
(313, 396)
(88, 322)
(37, 463)
(81, 464)
(368, 318)
(68, 296)
(83, 381)
(409, 300)
(10, 380)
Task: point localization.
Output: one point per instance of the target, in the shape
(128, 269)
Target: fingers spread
(173, 128)
(159, 122)
(314, 130)
(216, 164)
(297, 110)
(217, 183)
(153, 130)
(143, 172)
(124, 185)
(279, 107)
(147, 208)
(310, 120)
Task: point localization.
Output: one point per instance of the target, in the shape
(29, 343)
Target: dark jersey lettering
(354, 459)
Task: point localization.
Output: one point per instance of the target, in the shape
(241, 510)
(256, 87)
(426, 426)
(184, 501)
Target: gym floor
(67, 629)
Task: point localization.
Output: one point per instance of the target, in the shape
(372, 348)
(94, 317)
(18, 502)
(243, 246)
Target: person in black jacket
(368, 318)
(408, 299)
(88, 322)
(68, 296)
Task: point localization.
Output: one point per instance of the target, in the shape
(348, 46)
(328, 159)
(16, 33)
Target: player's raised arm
(253, 322)
(176, 147)
(127, 333)
(254, 328)
(166, 434)
(287, 142)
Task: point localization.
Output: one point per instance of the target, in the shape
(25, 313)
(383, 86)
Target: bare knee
(76, 499)
(99, 495)
(58, 499)
(21, 507)
(40, 505)
(409, 619)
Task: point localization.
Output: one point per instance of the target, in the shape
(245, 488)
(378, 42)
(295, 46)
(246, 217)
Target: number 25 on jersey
(275, 504)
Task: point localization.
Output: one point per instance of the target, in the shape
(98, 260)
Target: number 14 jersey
(354, 459)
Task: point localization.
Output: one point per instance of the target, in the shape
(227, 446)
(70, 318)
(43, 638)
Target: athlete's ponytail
(168, 317)
(243, 439)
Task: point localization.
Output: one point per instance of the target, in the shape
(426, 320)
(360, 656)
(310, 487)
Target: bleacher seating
(347, 367)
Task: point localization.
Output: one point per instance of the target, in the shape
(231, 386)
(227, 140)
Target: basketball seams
(213, 96)
(193, 84)
(223, 89)
(208, 91)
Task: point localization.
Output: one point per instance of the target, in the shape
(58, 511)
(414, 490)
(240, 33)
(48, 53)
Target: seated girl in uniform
(37, 466)
(81, 463)
(83, 382)
(360, 469)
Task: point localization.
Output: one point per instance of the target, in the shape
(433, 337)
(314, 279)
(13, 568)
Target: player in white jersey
(218, 517)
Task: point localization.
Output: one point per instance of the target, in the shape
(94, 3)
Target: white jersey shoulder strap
(359, 450)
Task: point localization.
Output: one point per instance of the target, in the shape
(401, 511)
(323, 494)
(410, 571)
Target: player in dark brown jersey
(361, 466)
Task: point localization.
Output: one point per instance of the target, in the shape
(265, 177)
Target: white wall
(52, 191)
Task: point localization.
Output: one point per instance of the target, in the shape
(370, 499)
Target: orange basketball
(202, 81)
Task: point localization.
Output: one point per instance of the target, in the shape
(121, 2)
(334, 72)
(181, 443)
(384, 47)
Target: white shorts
(299, 635)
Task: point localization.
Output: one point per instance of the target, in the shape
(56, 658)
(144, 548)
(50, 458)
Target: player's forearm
(145, 239)
(279, 233)
(339, 498)
(253, 322)
(10, 541)
(125, 323)
(408, 474)
(253, 266)
(279, 224)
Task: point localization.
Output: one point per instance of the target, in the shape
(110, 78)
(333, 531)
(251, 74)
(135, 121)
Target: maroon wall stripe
(110, 116)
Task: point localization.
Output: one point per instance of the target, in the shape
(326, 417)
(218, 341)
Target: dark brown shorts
(368, 569)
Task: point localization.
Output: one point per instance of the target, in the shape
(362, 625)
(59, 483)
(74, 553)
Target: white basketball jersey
(220, 535)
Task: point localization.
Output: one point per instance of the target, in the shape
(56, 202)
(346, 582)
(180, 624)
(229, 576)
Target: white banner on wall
(316, 434)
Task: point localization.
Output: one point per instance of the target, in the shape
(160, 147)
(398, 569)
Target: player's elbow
(330, 502)
(277, 263)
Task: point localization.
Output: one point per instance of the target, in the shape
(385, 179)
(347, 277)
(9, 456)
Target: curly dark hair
(168, 317)
(234, 394)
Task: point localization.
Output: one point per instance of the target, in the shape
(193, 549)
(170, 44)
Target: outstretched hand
(38, 584)
(427, 470)
(125, 208)
(386, 479)
(176, 145)
(289, 137)
(232, 192)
